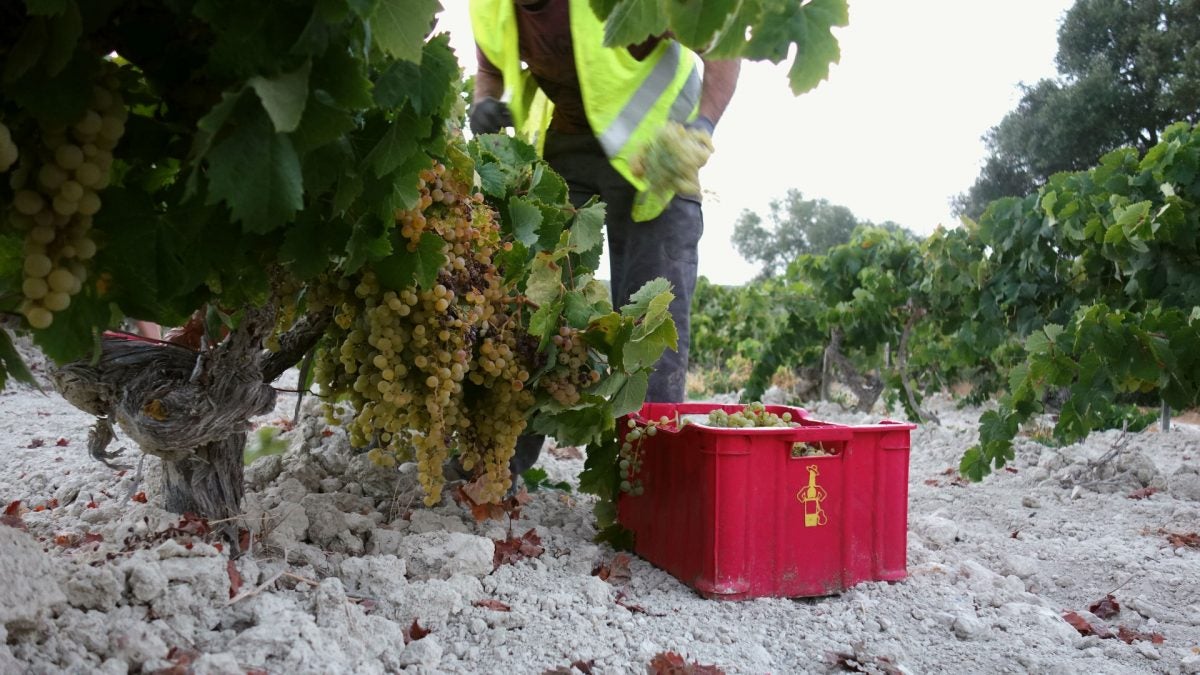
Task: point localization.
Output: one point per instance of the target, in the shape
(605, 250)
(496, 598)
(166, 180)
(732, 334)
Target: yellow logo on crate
(811, 496)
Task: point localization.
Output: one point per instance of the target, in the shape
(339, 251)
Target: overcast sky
(893, 133)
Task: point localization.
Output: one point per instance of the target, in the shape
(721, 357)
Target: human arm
(720, 81)
(488, 114)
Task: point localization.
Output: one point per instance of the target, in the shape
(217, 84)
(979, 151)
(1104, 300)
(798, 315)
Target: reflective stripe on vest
(618, 133)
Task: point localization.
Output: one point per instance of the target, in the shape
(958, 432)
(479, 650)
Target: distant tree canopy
(1126, 70)
(797, 226)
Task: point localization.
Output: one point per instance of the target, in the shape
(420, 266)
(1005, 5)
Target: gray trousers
(638, 252)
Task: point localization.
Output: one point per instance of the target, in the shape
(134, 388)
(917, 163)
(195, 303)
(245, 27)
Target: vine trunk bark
(190, 408)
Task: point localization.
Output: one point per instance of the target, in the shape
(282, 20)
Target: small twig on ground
(1122, 584)
(256, 590)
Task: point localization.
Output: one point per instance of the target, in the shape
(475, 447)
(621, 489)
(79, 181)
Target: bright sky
(894, 132)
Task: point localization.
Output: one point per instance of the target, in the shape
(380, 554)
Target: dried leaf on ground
(235, 578)
(62, 442)
(181, 661)
(1181, 539)
(415, 632)
(616, 571)
(140, 497)
(493, 604)
(581, 666)
(470, 495)
(1105, 608)
(515, 549)
(12, 516)
(670, 663)
(635, 609)
(1084, 626)
(1128, 635)
(1142, 493)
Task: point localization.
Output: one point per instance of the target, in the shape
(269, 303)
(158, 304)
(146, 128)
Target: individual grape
(37, 265)
(34, 288)
(85, 248)
(61, 280)
(65, 206)
(9, 154)
(42, 234)
(38, 317)
(51, 176)
(68, 156)
(56, 301)
(88, 174)
(28, 202)
(71, 190)
(90, 124)
(89, 204)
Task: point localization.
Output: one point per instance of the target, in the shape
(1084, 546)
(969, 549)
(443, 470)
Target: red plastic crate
(732, 513)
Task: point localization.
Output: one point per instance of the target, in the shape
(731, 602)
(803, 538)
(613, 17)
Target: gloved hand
(489, 116)
(671, 162)
(702, 123)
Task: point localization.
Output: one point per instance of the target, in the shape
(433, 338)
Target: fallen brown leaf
(415, 632)
(1128, 635)
(1142, 493)
(1181, 539)
(493, 604)
(515, 549)
(235, 578)
(616, 571)
(12, 516)
(1106, 607)
(1084, 626)
(670, 663)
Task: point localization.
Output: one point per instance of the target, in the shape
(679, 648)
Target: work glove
(671, 162)
(489, 116)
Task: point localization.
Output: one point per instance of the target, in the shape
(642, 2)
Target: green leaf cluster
(761, 30)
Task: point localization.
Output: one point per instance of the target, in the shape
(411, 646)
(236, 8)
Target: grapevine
(56, 187)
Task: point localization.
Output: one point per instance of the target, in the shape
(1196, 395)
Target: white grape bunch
(431, 371)
(56, 188)
(671, 162)
(752, 415)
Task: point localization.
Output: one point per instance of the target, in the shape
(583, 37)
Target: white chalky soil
(347, 559)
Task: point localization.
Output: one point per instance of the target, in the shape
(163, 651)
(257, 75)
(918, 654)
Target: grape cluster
(629, 457)
(752, 415)
(575, 370)
(56, 189)
(440, 369)
(671, 162)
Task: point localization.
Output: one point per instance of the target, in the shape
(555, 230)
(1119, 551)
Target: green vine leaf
(256, 172)
(284, 97)
(399, 27)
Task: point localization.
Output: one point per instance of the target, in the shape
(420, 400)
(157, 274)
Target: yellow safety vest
(626, 101)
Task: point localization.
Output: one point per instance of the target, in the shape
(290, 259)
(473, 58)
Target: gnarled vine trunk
(190, 408)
